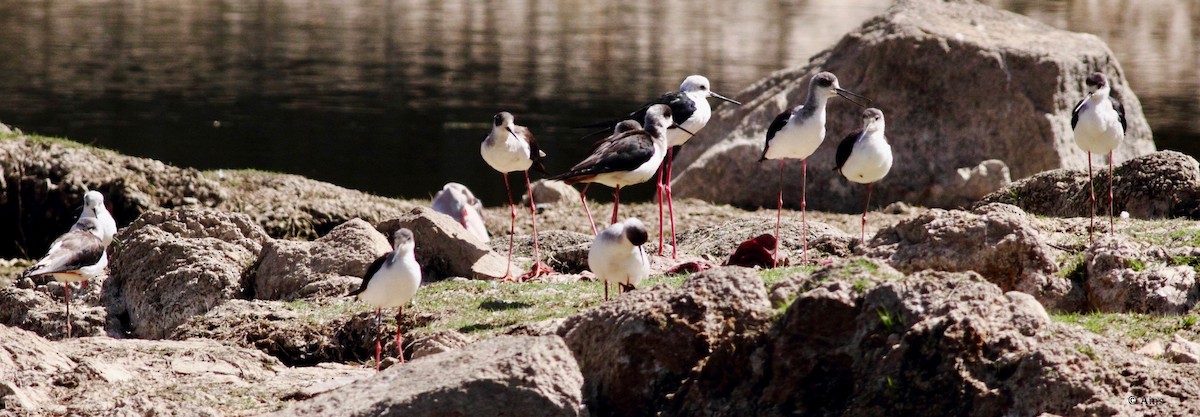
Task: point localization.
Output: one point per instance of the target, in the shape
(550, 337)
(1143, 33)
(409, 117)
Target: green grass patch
(1074, 267)
(773, 276)
(1136, 329)
(1086, 350)
(1137, 265)
(485, 308)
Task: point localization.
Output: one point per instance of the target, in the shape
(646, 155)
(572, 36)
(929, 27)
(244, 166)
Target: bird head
(1097, 84)
(872, 119)
(402, 240)
(635, 231)
(698, 84)
(93, 200)
(825, 85)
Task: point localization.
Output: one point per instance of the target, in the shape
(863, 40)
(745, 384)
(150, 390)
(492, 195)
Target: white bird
(391, 281)
(1098, 122)
(626, 157)
(865, 157)
(93, 207)
(458, 202)
(76, 256)
(691, 111)
(796, 134)
(617, 256)
(509, 148)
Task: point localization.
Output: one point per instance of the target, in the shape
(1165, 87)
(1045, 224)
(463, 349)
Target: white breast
(393, 285)
(1098, 129)
(699, 119)
(798, 139)
(618, 262)
(505, 152)
(870, 161)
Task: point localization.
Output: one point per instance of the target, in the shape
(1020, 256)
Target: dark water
(393, 97)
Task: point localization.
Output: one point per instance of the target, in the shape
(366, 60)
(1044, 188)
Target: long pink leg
(778, 217)
(670, 204)
(659, 191)
(399, 338)
(537, 266)
(866, 205)
(378, 335)
(583, 198)
(616, 203)
(803, 207)
(1092, 189)
(67, 288)
(1111, 225)
(512, 229)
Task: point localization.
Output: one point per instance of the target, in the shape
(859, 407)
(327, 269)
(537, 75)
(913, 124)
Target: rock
(291, 206)
(178, 378)
(969, 184)
(458, 202)
(552, 192)
(934, 343)
(443, 341)
(42, 310)
(299, 333)
(44, 182)
(445, 249)
(1029, 305)
(1118, 281)
(1154, 349)
(174, 264)
(507, 375)
(329, 266)
(1005, 88)
(637, 349)
(1159, 185)
(858, 272)
(1181, 350)
(563, 250)
(996, 240)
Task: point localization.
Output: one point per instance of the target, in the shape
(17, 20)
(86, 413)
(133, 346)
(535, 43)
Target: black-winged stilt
(93, 207)
(625, 158)
(865, 157)
(1098, 122)
(691, 111)
(617, 256)
(509, 148)
(796, 134)
(391, 281)
(76, 256)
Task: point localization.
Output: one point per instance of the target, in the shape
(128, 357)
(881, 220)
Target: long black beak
(514, 133)
(677, 126)
(847, 93)
(721, 97)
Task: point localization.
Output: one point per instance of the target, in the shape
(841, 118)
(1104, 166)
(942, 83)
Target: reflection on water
(394, 96)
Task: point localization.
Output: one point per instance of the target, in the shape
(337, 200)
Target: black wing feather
(844, 149)
(535, 152)
(1120, 108)
(371, 270)
(624, 152)
(777, 125)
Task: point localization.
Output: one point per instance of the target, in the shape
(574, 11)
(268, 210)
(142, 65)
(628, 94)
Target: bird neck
(816, 101)
(1100, 94)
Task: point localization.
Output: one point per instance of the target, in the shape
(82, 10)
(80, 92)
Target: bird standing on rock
(625, 158)
(391, 281)
(796, 134)
(865, 157)
(1098, 122)
(76, 256)
(617, 256)
(510, 148)
(690, 110)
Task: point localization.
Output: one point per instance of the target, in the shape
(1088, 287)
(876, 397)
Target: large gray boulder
(1158, 185)
(504, 376)
(330, 265)
(174, 264)
(936, 344)
(959, 83)
(1121, 279)
(636, 350)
